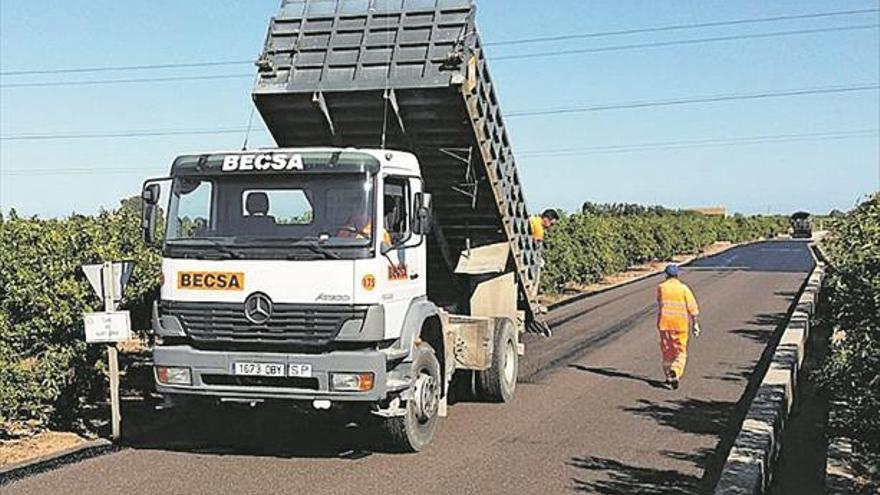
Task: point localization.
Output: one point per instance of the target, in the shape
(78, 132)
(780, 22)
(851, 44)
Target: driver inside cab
(359, 226)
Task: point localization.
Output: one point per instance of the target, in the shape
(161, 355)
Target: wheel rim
(509, 369)
(425, 397)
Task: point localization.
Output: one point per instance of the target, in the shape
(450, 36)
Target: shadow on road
(628, 479)
(741, 374)
(787, 294)
(763, 328)
(700, 417)
(263, 432)
(612, 373)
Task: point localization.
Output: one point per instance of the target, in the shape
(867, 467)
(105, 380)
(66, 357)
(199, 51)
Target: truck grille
(224, 324)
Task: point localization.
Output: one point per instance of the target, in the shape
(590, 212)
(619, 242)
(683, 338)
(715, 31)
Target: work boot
(671, 380)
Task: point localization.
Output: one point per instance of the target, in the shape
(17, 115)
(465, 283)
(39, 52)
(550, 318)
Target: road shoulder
(54, 460)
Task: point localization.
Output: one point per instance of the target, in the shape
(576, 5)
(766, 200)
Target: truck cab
(301, 275)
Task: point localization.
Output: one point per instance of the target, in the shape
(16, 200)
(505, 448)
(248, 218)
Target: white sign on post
(107, 326)
(110, 326)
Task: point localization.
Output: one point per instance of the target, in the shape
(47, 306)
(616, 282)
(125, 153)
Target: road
(589, 414)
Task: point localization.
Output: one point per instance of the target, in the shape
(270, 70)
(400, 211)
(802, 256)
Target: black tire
(413, 431)
(498, 383)
(462, 387)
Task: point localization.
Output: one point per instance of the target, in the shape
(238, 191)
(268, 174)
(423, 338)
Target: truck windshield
(332, 209)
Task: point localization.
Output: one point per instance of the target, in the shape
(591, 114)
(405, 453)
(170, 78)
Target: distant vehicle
(801, 225)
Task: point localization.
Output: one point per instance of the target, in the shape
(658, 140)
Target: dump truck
(801, 225)
(379, 254)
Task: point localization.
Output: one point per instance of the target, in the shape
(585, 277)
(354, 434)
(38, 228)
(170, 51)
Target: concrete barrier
(839, 476)
(749, 465)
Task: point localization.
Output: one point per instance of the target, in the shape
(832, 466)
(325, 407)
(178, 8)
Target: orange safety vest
(536, 223)
(367, 231)
(676, 303)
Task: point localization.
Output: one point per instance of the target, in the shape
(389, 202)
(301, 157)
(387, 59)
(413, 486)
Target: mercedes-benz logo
(258, 308)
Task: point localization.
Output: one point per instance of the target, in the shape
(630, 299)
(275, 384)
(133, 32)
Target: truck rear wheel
(413, 431)
(498, 383)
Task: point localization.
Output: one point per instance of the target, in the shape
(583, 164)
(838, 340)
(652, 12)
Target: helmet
(673, 270)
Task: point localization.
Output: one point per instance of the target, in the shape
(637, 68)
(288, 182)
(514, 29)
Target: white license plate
(299, 370)
(258, 369)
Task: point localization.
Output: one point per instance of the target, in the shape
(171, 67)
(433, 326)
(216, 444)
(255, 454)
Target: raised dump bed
(407, 75)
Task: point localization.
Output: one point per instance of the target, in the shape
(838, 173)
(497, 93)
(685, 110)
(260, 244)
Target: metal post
(109, 285)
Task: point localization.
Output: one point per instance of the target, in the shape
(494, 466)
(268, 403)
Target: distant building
(712, 211)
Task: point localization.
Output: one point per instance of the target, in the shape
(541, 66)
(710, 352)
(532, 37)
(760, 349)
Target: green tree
(47, 372)
(851, 371)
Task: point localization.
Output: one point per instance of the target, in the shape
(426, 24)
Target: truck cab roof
(299, 160)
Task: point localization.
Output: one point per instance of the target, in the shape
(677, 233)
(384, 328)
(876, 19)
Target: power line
(512, 42)
(678, 27)
(557, 53)
(698, 99)
(81, 171)
(113, 68)
(693, 41)
(126, 81)
(124, 134)
(552, 152)
(704, 143)
(519, 114)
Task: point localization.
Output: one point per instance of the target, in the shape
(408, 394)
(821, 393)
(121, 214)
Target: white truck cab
(302, 275)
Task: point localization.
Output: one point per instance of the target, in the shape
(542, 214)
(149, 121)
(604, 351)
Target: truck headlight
(351, 382)
(173, 376)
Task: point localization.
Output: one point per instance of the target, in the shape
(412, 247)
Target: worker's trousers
(673, 347)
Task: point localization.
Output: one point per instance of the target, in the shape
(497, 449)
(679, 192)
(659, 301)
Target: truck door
(405, 273)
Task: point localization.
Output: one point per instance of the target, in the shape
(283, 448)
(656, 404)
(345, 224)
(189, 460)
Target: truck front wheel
(498, 383)
(414, 430)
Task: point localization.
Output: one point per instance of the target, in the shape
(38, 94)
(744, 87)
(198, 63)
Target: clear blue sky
(816, 174)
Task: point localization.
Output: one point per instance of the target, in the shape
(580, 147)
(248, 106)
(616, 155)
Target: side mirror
(148, 224)
(150, 194)
(422, 217)
(149, 212)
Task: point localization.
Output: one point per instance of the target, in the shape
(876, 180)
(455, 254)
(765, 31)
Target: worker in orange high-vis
(539, 225)
(677, 307)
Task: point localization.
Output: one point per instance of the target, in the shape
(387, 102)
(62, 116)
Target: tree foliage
(605, 239)
(46, 369)
(851, 371)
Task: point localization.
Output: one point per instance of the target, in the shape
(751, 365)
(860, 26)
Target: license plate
(299, 370)
(258, 369)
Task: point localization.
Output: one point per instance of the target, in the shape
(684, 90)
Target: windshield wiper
(317, 248)
(214, 244)
(313, 244)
